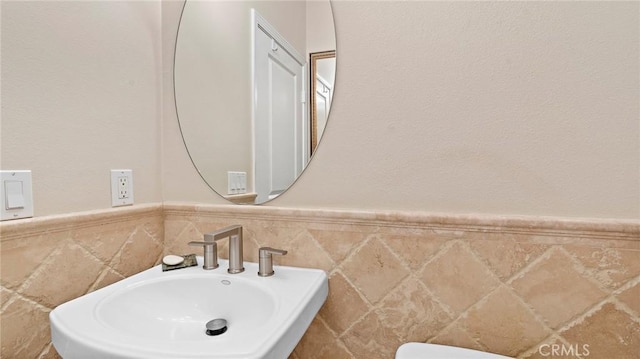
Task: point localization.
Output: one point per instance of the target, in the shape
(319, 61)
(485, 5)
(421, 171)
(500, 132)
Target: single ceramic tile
(556, 289)
(49, 353)
(506, 255)
(371, 338)
(319, 342)
(68, 273)
(139, 253)
(503, 325)
(344, 306)
(178, 243)
(5, 295)
(104, 241)
(20, 257)
(275, 232)
(338, 244)
(455, 335)
(281, 241)
(412, 312)
(374, 270)
(24, 331)
(250, 248)
(457, 278)
(609, 333)
(415, 249)
(107, 277)
(631, 297)
(155, 227)
(305, 252)
(172, 229)
(610, 266)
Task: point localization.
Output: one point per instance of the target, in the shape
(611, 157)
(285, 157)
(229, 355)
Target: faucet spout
(234, 233)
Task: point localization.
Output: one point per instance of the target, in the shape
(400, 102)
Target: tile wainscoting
(47, 261)
(502, 284)
(499, 284)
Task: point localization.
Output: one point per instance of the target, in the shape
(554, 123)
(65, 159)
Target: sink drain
(216, 327)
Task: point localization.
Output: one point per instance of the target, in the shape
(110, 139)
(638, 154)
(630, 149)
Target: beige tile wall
(50, 260)
(505, 285)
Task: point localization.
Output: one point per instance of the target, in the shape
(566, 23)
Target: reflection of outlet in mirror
(121, 187)
(237, 182)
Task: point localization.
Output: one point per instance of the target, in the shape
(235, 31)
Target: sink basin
(156, 314)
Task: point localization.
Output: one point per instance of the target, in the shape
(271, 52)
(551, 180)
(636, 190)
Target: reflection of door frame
(313, 58)
(260, 24)
(322, 102)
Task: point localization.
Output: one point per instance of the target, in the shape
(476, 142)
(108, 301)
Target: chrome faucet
(236, 261)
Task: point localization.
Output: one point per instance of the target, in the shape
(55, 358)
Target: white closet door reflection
(324, 93)
(279, 116)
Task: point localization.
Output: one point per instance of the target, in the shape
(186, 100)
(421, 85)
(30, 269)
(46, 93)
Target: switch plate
(17, 195)
(236, 182)
(121, 188)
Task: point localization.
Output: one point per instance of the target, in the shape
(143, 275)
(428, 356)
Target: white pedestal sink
(156, 314)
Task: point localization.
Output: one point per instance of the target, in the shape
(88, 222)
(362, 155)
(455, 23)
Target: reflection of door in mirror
(216, 93)
(322, 70)
(279, 114)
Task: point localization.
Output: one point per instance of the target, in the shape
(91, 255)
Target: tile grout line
(414, 273)
(503, 284)
(623, 288)
(529, 266)
(15, 296)
(583, 271)
(482, 299)
(25, 284)
(335, 335)
(611, 298)
(538, 316)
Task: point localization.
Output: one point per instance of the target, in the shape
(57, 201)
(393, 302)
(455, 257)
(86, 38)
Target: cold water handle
(265, 255)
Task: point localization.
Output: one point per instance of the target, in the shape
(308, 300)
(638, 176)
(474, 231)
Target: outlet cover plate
(121, 188)
(237, 182)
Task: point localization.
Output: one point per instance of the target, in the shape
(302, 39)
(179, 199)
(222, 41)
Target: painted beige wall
(81, 93)
(522, 108)
(320, 27)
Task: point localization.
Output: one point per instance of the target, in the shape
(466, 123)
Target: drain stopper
(216, 327)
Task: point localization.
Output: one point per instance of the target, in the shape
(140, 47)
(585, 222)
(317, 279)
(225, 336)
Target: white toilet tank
(427, 351)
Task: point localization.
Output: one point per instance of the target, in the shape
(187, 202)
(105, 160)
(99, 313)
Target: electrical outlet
(121, 187)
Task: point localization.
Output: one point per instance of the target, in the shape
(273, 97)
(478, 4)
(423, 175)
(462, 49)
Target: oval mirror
(253, 85)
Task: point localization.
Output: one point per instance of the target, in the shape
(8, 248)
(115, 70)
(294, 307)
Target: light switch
(17, 198)
(237, 182)
(14, 198)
